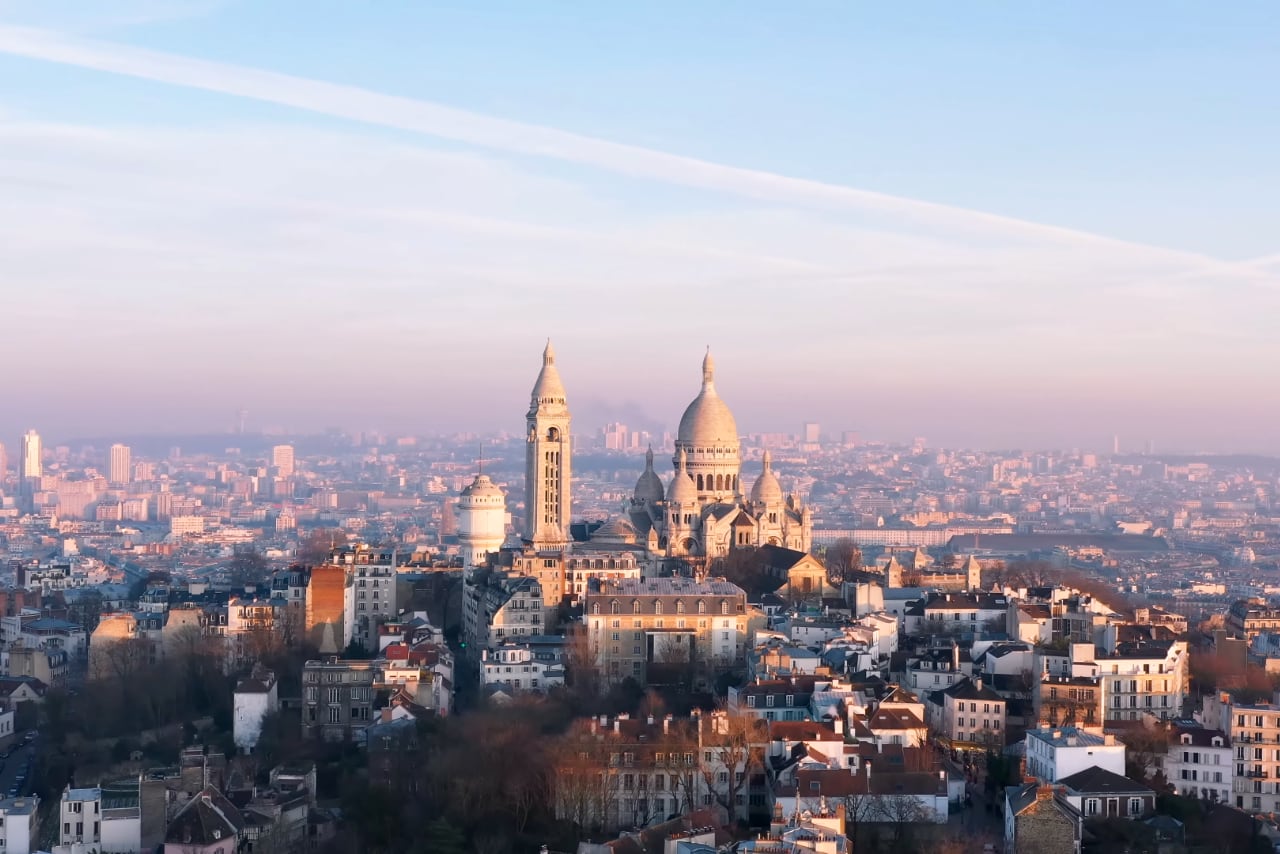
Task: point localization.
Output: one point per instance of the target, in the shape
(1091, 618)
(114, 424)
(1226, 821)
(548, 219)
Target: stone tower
(548, 473)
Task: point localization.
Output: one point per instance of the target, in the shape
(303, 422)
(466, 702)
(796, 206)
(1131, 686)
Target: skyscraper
(4, 462)
(282, 459)
(548, 486)
(121, 464)
(32, 456)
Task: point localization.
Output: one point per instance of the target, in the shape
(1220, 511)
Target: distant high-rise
(32, 456)
(121, 467)
(4, 462)
(1115, 444)
(282, 459)
(812, 433)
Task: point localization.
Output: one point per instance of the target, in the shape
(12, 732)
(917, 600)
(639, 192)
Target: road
(15, 764)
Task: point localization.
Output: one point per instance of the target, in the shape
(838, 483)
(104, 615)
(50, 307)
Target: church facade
(701, 513)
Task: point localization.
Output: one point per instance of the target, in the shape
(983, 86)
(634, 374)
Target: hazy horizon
(992, 228)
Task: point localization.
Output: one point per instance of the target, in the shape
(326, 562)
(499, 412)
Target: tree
(314, 548)
(736, 743)
(843, 558)
(247, 567)
(859, 810)
(948, 560)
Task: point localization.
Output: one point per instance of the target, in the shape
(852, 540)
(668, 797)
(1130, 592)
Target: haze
(991, 227)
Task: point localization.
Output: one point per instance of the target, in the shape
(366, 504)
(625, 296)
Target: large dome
(708, 421)
(649, 486)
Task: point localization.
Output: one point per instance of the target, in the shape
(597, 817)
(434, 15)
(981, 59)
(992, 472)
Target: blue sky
(1015, 224)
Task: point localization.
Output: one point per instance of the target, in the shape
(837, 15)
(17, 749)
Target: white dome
(649, 486)
(708, 421)
(482, 487)
(767, 489)
(682, 489)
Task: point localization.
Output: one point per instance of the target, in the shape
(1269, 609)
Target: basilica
(700, 513)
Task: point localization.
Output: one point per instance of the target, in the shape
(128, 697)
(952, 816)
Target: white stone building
(1199, 764)
(514, 666)
(17, 824)
(1144, 678)
(1052, 754)
(255, 698)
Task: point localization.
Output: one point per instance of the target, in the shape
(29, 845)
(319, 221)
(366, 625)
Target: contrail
(445, 122)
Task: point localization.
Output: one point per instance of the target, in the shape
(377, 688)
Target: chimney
(386, 714)
(666, 725)
(1108, 739)
(649, 720)
(617, 725)
(868, 774)
(837, 724)
(604, 720)
(595, 726)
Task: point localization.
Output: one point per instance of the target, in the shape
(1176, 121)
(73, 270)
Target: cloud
(532, 140)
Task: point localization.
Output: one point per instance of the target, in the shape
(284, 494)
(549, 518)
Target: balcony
(1257, 774)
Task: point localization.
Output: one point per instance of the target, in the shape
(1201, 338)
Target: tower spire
(708, 369)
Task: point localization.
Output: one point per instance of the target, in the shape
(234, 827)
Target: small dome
(766, 489)
(649, 486)
(616, 530)
(482, 487)
(682, 489)
(707, 420)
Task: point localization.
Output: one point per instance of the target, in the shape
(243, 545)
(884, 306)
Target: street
(17, 764)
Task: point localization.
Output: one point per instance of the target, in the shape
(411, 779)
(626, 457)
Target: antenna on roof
(480, 462)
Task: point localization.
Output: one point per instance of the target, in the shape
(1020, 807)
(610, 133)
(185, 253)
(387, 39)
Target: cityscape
(664, 428)
(354, 597)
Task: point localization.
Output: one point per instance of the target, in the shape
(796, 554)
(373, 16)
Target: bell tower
(548, 480)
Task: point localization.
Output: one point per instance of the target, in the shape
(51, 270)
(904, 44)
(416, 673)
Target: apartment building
(624, 772)
(1248, 618)
(337, 698)
(498, 607)
(1052, 754)
(1253, 731)
(668, 630)
(1144, 678)
(373, 571)
(105, 818)
(969, 715)
(1199, 763)
(515, 667)
(19, 821)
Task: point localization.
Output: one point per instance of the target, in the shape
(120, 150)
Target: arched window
(595, 609)
(702, 607)
(679, 606)
(719, 482)
(614, 607)
(657, 606)
(699, 483)
(553, 435)
(635, 606)
(724, 606)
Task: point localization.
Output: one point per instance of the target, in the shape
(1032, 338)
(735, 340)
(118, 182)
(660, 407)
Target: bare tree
(736, 745)
(314, 548)
(843, 558)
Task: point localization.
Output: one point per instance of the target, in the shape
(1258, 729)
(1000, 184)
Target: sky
(992, 225)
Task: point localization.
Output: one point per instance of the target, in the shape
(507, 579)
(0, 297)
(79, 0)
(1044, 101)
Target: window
(1135, 806)
(1091, 806)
